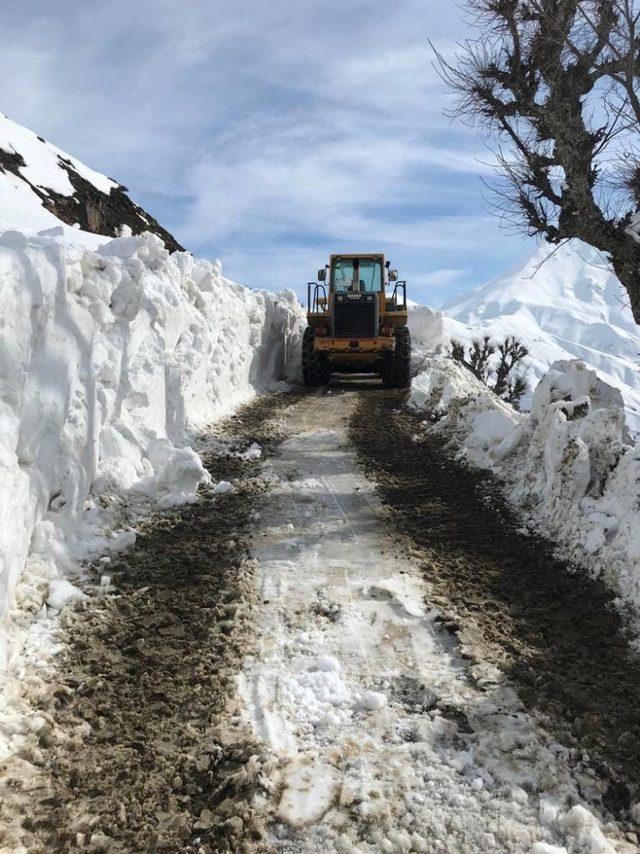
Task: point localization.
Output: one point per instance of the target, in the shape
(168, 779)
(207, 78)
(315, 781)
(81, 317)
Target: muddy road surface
(140, 748)
(554, 631)
(355, 650)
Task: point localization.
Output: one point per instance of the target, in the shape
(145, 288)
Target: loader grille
(355, 316)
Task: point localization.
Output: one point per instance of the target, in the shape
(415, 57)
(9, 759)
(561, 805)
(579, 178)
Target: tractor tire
(396, 368)
(316, 370)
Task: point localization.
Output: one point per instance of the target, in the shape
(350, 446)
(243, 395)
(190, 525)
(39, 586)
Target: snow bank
(569, 465)
(427, 327)
(109, 360)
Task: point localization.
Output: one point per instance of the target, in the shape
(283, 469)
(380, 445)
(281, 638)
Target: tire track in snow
(550, 625)
(380, 738)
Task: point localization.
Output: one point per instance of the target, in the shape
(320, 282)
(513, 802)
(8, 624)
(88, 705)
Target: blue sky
(269, 134)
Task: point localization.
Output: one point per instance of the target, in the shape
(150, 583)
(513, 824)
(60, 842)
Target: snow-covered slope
(42, 187)
(569, 306)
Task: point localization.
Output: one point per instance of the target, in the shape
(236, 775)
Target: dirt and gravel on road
(142, 750)
(549, 627)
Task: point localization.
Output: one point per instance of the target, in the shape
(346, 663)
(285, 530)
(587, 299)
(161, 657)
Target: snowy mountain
(563, 304)
(41, 187)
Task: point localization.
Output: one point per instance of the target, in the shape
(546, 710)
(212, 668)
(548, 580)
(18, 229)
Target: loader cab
(357, 275)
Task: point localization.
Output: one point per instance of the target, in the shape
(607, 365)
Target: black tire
(316, 370)
(396, 367)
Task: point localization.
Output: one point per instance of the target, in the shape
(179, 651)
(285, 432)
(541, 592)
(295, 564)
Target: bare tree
(479, 356)
(504, 376)
(457, 351)
(478, 359)
(558, 81)
(512, 352)
(516, 387)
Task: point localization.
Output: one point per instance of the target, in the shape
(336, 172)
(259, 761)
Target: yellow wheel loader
(357, 315)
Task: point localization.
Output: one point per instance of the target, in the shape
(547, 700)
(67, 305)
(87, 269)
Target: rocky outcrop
(89, 207)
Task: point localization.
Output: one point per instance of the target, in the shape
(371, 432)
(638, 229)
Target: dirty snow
(569, 465)
(382, 738)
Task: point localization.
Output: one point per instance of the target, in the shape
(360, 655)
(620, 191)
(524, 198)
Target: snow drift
(110, 359)
(569, 465)
(563, 303)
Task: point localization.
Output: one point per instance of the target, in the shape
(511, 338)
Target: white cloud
(257, 130)
(440, 278)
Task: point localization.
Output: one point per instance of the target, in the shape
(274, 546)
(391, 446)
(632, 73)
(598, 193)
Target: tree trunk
(626, 263)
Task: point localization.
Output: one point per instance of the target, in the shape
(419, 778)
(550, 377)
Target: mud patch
(411, 694)
(142, 747)
(549, 627)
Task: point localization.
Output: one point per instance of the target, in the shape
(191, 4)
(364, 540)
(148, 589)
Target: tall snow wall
(109, 360)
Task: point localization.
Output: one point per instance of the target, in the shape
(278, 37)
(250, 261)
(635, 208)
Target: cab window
(357, 274)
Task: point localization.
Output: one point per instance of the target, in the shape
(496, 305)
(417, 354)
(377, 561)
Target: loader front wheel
(396, 368)
(316, 370)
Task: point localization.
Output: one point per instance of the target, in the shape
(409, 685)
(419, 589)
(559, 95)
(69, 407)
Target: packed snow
(569, 465)
(563, 303)
(377, 737)
(111, 359)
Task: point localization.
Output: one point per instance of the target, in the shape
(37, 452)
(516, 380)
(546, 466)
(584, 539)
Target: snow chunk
(63, 592)
(573, 386)
(179, 474)
(329, 719)
(461, 760)
(309, 791)
(328, 663)
(223, 488)
(584, 828)
(122, 541)
(427, 328)
(253, 453)
(371, 701)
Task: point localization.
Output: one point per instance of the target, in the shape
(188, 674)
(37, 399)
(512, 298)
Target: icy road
(281, 667)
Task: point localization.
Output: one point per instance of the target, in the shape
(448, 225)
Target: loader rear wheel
(396, 367)
(316, 369)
